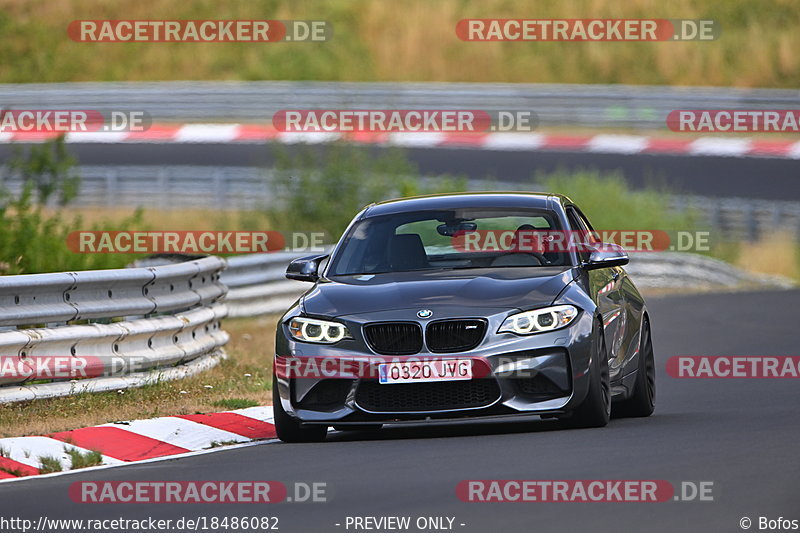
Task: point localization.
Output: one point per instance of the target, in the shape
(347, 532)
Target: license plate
(425, 371)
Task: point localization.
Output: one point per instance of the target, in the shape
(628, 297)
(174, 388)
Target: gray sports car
(461, 306)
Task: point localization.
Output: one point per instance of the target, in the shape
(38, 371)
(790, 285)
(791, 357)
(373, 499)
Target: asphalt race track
(742, 435)
(685, 174)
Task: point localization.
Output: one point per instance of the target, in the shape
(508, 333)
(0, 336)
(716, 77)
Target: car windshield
(448, 239)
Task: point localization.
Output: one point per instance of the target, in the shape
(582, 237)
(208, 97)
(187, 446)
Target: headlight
(539, 320)
(319, 331)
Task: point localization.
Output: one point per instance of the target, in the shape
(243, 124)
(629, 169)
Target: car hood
(511, 288)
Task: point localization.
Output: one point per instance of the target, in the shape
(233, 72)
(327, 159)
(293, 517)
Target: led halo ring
(329, 332)
(527, 322)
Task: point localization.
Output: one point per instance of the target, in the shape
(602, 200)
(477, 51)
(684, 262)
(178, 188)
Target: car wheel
(595, 411)
(643, 400)
(288, 428)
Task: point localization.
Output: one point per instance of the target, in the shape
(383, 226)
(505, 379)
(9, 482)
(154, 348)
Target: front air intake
(448, 336)
(394, 338)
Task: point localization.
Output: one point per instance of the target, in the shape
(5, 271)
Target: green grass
(413, 40)
(13, 471)
(220, 444)
(611, 204)
(235, 403)
(322, 191)
(33, 238)
(83, 460)
(49, 464)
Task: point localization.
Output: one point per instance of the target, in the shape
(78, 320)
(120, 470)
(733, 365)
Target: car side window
(585, 222)
(581, 230)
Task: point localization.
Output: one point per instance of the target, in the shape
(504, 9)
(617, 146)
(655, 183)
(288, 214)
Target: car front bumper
(541, 374)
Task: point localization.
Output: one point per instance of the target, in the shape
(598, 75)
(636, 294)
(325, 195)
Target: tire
(643, 400)
(288, 428)
(595, 411)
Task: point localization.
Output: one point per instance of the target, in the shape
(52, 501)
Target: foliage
(413, 40)
(47, 168)
(321, 190)
(33, 237)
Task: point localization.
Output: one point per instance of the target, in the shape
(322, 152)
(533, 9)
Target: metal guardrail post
(180, 322)
(257, 101)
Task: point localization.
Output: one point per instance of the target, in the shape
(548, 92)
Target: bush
(321, 190)
(49, 170)
(32, 239)
(611, 204)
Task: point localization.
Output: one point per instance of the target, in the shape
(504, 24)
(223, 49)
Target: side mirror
(606, 255)
(305, 268)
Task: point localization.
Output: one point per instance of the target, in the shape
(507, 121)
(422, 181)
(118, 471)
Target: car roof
(429, 202)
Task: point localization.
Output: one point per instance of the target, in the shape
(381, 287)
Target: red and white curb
(600, 143)
(136, 440)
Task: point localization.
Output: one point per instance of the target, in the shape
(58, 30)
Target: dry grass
(776, 254)
(171, 219)
(412, 40)
(245, 378)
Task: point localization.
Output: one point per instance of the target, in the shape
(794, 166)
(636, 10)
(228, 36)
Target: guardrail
(257, 286)
(257, 101)
(681, 271)
(255, 283)
(228, 187)
(127, 327)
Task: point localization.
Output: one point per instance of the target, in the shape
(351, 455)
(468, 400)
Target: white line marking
(96, 136)
(263, 413)
(418, 139)
(27, 450)
(308, 137)
(153, 460)
(617, 144)
(719, 146)
(794, 151)
(204, 133)
(513, 141)
(179, 432)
